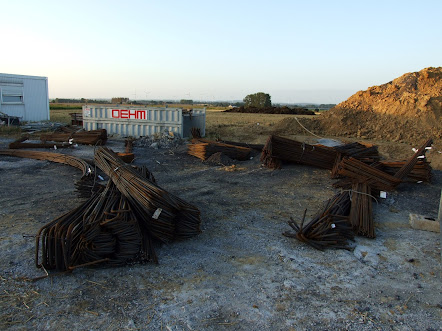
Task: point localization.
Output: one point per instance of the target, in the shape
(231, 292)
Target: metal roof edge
(23, 76)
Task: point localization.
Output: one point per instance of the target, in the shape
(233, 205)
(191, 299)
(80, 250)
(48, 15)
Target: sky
(296, 51)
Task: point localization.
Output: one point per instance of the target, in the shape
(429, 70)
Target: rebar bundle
(361, 215)
(409, 165)
(93, 137)
(279, 149)
(257, 147)
(53, 157)
(420, 172)
(329, 228)
(360, 172)
(195, 132)
(365, 153)
(104, 229)
(203, 149)
(20, 143)
(164, 215)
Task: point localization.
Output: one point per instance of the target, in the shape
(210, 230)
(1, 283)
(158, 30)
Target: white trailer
(25, 97)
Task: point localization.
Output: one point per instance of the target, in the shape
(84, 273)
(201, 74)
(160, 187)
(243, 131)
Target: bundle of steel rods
(93, 137)
(279, 149)
(365, 153)
(420, 172)
(362, 173)
(257, 147)
(360, 180)
(104, 229)
(195, 132)
(329, 228)
(53, 157)
(409, 165)
(361, 215)
(203, 149)
(20, 143)
(166, 216)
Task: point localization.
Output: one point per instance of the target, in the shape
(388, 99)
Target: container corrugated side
(142, 121)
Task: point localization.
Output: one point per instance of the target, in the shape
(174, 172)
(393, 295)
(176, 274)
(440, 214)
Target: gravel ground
(240, 273)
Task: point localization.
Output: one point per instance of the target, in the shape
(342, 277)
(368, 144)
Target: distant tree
(120, 100)
(257, 100)
(326, 106)
(186, 102)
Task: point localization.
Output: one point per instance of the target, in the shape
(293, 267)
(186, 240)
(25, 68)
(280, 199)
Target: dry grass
(62, 115)
(10, 131)
(250, 128)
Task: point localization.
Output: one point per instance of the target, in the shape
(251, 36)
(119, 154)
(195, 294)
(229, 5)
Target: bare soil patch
(240, 273)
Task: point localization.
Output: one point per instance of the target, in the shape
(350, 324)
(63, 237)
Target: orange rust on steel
(177, 220)
(420, 172)
(102, 229)
(362, 172)
(285, 149)
(329, 228)
(53, 157)
(93, 137)
(408, 166)
(361, 215)
(203, 149)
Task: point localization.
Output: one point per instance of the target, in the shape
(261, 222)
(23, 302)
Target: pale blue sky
(297, 51)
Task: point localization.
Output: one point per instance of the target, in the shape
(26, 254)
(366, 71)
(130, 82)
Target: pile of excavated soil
(406, 110)
(416, 94)
(372, 125)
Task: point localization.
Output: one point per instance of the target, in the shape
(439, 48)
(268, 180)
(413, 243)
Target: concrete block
(419, 222)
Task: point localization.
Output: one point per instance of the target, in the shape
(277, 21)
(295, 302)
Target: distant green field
(64, 106)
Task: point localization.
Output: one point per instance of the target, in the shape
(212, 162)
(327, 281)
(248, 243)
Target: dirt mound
(413, 94)
(372, 125)
(404, 109)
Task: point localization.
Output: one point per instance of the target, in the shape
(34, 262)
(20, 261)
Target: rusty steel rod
(166, 216)
(53, 157)
(203, 149)
(279, 149)
(329, 228)
(409, 165)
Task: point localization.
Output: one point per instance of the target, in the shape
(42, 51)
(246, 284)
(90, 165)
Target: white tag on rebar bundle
(383, 194)
(157, 213)
(55, 147)
(427, 148)
(71, 141)
(414, 149)
(333, 226)
(100, 178)
(421, 157)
